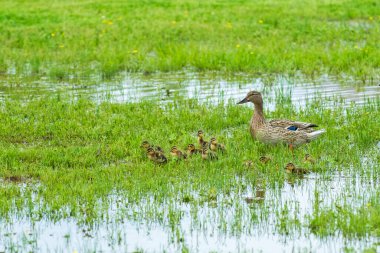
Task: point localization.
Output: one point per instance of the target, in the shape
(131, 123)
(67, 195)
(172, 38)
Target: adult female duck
(292, 133)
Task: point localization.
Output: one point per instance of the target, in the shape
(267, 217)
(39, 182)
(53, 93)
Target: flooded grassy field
(74, 177)
(84, 83)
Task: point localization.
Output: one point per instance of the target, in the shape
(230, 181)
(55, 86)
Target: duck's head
(290, 167)
(190, 147)
(204, 150)
(253, 97)
(150, 151)
(213, 141)
(145, 144)
(200, 134)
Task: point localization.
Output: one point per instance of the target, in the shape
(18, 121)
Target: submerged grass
(75, 156)
(79, 38)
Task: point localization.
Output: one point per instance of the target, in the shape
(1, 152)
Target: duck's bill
(245, 100)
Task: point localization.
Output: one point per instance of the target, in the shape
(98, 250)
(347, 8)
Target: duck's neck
(258, 115)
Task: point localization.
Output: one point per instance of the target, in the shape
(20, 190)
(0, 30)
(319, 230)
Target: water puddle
(214, 87)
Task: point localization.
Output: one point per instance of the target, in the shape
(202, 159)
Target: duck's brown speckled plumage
(277, 131)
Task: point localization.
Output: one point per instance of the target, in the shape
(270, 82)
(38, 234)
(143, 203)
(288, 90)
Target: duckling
(309, 158)
(191, 150)
(291, 169)
(264, 159)
(145, 145)
(177, 153)
(215, 146)
(208, 154)
(155, 157)
(201, 141)
(159, 150)
(248, 163)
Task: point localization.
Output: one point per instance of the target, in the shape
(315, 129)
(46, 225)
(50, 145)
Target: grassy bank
(63, 39)
(75, 156)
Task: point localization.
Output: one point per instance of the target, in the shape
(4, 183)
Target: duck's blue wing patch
(292, 128)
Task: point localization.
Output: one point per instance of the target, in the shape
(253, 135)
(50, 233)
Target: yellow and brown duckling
(155, 156)
(248, 163)
(191, 150)
(215, 146)
(159, 150)
(145, 145)
(308, 158)
(264, 159)
(201, 141)
(291, 169)
(174, 151)
(208, 154)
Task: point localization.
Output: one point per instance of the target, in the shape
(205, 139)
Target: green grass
(74, 156)
(66, 39)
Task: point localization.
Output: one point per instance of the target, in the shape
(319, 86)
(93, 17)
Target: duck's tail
(315, 134)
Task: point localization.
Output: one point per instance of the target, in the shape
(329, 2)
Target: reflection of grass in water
(80, 153)
(277, 37)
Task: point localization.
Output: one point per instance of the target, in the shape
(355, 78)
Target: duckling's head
(145, 144)
(264, 159)
(308, 158)
(204, 150)
(150, 151)
(174, 150)
(253, 97)
(190, 147)
(213, 141)
(290, 167)
(200, 133)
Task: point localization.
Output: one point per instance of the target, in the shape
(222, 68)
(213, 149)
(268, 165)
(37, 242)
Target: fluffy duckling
(201, 141)
(208, 154)
(159, 150)
(248, 163)
(309, 158)
(155, 157)
(191, 150)
(145, 145)
(291, 169)
(215, 146)
(264, 159)
(177, 153)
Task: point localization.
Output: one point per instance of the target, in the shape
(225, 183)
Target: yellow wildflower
(261, 21)
(61, 46)
(237, 45)
(174, 22)
(228, 25)
(135, 51)
(52, 34)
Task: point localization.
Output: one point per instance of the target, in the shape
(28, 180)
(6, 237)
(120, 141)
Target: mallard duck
(264, 159)
(215, 146)
(191, 150)
(291, 169)
(292, 133)
(201, 141)
(177, 153)
(155, 156)
(208, 154)
(309, 158)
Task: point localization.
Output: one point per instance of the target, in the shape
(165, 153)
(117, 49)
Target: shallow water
(125, 232)
(213, 87)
